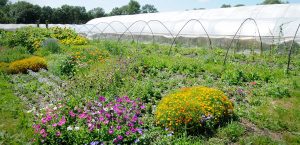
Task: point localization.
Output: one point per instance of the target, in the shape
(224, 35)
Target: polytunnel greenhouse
(266, 23)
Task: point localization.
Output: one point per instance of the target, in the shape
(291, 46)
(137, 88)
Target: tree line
(26, 13)
(265, 2)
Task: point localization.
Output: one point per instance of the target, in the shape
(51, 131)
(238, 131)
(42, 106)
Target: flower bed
(117, 121)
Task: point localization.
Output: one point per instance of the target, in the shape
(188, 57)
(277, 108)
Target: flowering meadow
(58, 87)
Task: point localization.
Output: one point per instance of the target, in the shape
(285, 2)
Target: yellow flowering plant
(193, 108)
(21, 66)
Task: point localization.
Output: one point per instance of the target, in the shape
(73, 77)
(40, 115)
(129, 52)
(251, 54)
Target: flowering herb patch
(117, 121)
(193, 108)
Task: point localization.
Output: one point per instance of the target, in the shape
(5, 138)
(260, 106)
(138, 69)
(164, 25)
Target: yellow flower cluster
(79, 40)
(193, 107)
(33, 63)
(91, 55)
(67, 36)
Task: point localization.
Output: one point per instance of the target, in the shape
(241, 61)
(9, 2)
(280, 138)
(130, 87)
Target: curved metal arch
(109, 24)
(290, 51)
(85, 26)
(131, 26)
(151, 21)
(184, 27)
(95, 26)
(242, 24)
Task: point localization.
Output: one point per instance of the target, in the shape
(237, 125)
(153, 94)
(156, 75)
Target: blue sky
(162, 5)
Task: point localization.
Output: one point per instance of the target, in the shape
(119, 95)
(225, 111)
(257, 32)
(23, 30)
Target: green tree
(149, 9)
(225, 6)
(97, 13)
(268, 2)
(24, 12)
(3, 2)
(115, 11)
(133, 7)
(239, 5)
(46, 14)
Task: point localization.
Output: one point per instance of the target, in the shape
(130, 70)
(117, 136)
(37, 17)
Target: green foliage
(259, 140)
(69, 66)
(232, 132)
(51, 45)
(12, 54)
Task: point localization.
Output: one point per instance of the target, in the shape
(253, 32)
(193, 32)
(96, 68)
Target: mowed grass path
(14, 127)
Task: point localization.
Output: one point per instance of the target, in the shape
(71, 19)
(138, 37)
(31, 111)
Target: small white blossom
(69, 128)
(76, 128)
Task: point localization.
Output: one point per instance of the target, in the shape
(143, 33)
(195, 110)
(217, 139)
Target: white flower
(69, 128)
(76, 128)
(55, 108)
(105, 109)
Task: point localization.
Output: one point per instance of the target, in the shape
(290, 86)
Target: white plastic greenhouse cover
(272, 21)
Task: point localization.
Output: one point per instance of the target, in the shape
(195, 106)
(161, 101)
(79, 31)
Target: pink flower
(143, 107)
(58, 133)
(62, 121)
(102, 99)
(43, 133)
(82, 115)
(54, 125)
(119, 127)
(44, 120)
(111, 131)
(48, 117)
(72, 114)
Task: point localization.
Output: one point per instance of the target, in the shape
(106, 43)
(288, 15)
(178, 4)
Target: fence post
(38, 23)
(46, 24)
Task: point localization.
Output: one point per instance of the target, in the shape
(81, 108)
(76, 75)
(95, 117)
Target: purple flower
(101, 118)
(120, 137)
(48, 117)
(54, 125)
(102, 99)
(58, 134)
(126, 98)
(82, 115)
(106, 122)
(136, 141)
(119, 127)
(72, 114)
(143, 107)
(107, 116)
(140, 131)
(133, 130)
(111, 131)
(127, 133)
(134, 118)
(95, 143)
(119, 100)
(130, 124)
(44, 120)
(62, 121)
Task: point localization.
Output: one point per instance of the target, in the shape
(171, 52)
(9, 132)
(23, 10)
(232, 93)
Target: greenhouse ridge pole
(290, 51)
